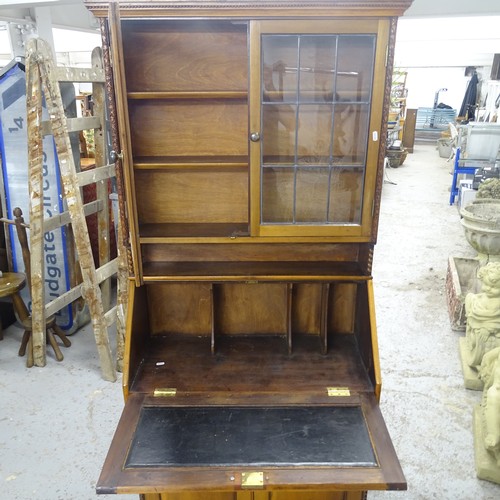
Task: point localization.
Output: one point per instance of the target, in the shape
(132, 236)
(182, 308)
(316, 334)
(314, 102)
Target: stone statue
(487, 419)
(482, 355)
(483, 315)
(487, 369)
(490, 373)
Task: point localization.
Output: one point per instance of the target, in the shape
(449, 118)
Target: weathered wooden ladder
(42, 75)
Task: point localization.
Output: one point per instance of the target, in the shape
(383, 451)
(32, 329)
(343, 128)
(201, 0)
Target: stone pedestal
(486, 465)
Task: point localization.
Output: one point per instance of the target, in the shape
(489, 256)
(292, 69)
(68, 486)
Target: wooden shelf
(193, 230)
(243, 364)
(253, 271)
(311, 162)
(190, 162)
(176, 95)
(285, 97)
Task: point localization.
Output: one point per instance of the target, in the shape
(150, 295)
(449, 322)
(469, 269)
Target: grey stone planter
(481, 222)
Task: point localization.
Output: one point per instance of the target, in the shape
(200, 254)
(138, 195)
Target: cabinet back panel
(259, 308)
(342, 307)
(185, 56)
(305, 195)
(194, 196)
(189, 128)
(308, 131)
(346, 196)
(306, 308)
(274, 252)
(243, 308)
(180, 308)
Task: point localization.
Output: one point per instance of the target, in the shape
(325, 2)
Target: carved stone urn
(481, 222)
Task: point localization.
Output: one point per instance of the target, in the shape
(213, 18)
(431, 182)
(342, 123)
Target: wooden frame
(255, 8)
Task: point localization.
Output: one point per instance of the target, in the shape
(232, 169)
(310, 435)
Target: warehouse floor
(56, 422)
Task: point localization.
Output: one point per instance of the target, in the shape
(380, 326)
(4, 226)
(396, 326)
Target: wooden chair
(52, 329)
(10, 285)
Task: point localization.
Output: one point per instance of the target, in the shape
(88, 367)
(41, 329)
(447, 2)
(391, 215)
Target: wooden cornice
(251, 8)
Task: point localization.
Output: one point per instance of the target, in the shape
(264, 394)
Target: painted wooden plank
(96, 174)
(45, 75)
(103, 273)
(110, 316)
(79, 75)
(64, 218)
(74, 124)
(37, 344)
(102, 186)
(122, 295)
(122, 241)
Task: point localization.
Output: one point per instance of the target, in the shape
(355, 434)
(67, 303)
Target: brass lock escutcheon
(164, 392)
(254, 480)
(338, 391)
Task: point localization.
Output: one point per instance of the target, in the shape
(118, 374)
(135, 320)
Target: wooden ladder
(42, 75)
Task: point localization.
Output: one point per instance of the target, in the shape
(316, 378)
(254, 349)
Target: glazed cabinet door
(316, 115)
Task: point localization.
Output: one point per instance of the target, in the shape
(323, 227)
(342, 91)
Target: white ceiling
(431, 33)
(73, 13)
(448, 33)
(65, 13)
(447, 41)
(447, 8)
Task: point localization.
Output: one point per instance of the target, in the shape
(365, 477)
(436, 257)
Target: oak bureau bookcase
(251, 147)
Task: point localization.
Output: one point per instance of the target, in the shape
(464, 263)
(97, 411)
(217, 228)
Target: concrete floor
(56, 422)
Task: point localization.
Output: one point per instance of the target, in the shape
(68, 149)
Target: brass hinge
(252, 480)
(164, 392)
(338, 391)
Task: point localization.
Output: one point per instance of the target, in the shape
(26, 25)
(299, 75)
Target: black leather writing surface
(225, 436)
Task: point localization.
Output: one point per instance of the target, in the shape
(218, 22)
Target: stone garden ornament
(487, 419)
(483, 323)
(481, 365)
